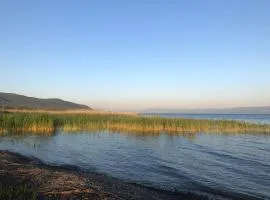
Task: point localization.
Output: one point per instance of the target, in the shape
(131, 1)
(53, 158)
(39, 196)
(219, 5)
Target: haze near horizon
(132, 55)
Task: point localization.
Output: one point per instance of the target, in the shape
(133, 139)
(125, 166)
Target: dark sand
(51, 182)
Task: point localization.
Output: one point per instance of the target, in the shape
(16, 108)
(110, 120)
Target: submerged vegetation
(49, 123)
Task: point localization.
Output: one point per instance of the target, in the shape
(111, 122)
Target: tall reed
(25, 122)
(41, 122)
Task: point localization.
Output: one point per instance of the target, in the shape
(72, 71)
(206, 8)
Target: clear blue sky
(138, 54)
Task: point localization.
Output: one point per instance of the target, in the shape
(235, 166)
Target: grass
(20, 192)
(77, 111)
(26, 122)
(48, 123)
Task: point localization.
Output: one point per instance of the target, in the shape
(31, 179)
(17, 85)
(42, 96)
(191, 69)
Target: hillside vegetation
(15, 101)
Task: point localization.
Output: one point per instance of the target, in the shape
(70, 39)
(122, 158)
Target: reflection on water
(233, 166)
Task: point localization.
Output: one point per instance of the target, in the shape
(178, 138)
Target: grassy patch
(48, 123)
(21, 192)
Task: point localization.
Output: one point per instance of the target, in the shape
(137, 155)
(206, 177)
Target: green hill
(10, 100)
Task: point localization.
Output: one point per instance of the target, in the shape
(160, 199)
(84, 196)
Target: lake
(253, 118)
(220, 166)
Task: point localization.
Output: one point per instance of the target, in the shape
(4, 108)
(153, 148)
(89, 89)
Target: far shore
(71, 111)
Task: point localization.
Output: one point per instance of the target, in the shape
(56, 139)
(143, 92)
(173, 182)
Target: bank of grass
(26, 122)
(49, 123)
(19, 192)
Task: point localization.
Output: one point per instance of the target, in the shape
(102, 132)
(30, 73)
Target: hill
(10, 100)
(240, 110)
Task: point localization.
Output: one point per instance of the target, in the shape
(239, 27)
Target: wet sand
(65, 182)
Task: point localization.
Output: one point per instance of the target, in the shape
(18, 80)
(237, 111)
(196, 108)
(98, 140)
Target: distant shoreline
(70, 111)
(198, 113)
(233, 110)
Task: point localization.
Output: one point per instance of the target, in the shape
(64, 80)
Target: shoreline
(68, 182)
(70, 111)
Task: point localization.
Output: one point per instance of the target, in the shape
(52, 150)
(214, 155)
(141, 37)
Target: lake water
(253, 118)
(231, 166)
(216, 165)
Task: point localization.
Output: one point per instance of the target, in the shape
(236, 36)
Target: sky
(138, 54)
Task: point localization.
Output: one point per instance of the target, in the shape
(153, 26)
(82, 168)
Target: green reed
(21, 191)
(26, 122)
(40, 123)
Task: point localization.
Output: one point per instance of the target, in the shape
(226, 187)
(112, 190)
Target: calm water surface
(254, 118)
(231, 166)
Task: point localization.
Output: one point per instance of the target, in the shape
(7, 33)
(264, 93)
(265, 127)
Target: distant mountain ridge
(10, 100)
(239, 110)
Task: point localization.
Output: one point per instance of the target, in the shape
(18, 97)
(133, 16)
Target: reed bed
(70, 122)
(26, 122)
(77, 111)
